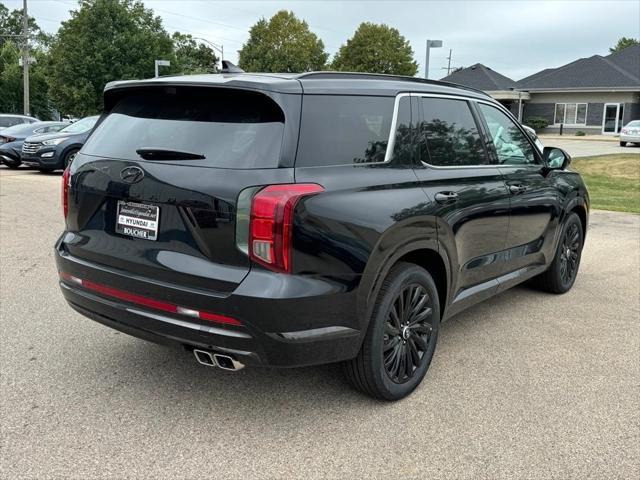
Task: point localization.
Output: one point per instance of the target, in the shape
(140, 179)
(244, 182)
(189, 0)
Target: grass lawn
(613, 180)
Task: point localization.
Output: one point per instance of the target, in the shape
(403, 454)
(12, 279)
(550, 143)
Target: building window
(571, 113)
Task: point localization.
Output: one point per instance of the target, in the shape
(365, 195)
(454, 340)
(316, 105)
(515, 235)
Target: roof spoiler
(228, 67)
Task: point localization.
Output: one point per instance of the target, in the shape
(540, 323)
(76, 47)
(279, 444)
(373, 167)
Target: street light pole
(25, 57)
(219, 48)
(430, 44)
(161, 63)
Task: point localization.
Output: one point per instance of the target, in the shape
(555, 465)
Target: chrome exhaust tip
(204, 358)
(225, 362)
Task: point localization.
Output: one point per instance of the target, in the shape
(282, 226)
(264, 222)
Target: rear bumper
(287, 321)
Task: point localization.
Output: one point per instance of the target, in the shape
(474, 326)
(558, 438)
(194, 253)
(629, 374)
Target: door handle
(517, 189)
(446, 197)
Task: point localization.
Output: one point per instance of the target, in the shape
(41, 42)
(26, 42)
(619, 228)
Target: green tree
(282, 44)
(376, 49)
(11, 28)
(624, 42)
(104, 40)
(193, 57)
(11, 84)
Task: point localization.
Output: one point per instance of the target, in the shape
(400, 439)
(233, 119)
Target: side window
(512, 146)
(41, 130)
(448, 134)
(341, 130)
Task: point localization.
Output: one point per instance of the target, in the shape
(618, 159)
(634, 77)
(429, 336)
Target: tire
(623, 144)
(562, 273)
(393, 361)
(45, 170)
(68, 157)
(13, 164)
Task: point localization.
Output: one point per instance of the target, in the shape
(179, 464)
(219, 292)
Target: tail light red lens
(66, 180)
(271, 222)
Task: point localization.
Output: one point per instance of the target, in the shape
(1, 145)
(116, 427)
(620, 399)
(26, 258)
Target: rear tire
(45, 170)
(401, 338)
(623, 144)
(562, 273)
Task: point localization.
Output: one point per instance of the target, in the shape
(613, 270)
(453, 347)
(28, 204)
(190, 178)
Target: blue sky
(514, 37)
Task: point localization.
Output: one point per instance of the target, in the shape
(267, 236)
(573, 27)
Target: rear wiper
(163, 154)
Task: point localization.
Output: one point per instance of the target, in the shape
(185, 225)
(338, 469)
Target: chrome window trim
(491, 103)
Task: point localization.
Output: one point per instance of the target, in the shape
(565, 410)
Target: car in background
(9, 120)
(54, 151)
(12, 138)
(630, 133)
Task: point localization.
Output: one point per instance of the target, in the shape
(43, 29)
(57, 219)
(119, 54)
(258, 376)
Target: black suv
(290, 220)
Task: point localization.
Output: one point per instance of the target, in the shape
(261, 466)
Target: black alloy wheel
(407, 333)
(563, 271)
(570, 253)
(401, 337)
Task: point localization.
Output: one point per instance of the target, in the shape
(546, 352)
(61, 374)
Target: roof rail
(384, 76)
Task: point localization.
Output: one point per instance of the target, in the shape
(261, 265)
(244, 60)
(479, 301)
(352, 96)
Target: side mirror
(556, 158)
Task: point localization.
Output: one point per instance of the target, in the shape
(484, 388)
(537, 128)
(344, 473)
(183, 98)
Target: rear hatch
(154, 191)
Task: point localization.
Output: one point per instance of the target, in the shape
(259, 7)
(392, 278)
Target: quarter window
(511, 144)
(448, 135)
(571, 113)
(341, 130)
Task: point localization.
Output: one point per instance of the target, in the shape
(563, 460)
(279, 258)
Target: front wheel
(562, 273)
(13, 164)
(401, 338)
(69, 157)
(623, 144)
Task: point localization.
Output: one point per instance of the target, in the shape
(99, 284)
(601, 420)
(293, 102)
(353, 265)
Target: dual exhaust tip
(210, 359)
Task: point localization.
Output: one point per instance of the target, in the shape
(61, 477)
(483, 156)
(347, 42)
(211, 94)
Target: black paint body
(345, 239)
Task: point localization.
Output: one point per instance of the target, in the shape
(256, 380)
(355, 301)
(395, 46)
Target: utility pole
(25, 56)
(449, 64)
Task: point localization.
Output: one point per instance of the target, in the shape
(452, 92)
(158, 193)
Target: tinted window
(448, 134)
(231, 128)
(9, 121)
(510, 143)
(338, 130)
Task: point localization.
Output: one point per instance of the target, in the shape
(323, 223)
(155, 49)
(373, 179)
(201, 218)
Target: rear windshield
(10, 121)
(339, 130)
(229, 128)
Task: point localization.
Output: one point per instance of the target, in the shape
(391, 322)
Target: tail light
(66, 181)
(270, 224)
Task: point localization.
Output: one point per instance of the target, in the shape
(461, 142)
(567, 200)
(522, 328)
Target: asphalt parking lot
(526, 385)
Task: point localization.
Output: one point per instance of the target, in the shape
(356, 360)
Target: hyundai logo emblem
(132, 174)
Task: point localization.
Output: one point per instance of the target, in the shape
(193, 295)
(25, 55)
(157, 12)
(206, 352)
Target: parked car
(54, 151)
(630, 133)
(12, 138)
(9, 120)
(227, 215)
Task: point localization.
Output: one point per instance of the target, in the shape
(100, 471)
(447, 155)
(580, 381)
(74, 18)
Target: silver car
(630, 133)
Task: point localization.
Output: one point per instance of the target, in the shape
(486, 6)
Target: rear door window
(230, 128)
(342, 129)
(448, 134)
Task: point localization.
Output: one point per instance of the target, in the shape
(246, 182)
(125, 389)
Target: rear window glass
(10, 121)
(339, 130)
(230, 128)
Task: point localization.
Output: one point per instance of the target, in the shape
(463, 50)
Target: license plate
(138, 220)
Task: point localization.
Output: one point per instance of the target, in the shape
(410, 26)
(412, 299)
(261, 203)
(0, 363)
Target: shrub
(537, 123)
(580, 133)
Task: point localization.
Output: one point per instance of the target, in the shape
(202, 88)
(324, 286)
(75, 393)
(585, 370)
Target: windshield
(81, 126)
(226, 128)
(10, 121)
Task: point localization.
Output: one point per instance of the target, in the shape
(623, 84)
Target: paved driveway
(526, 385)
(587, 148)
